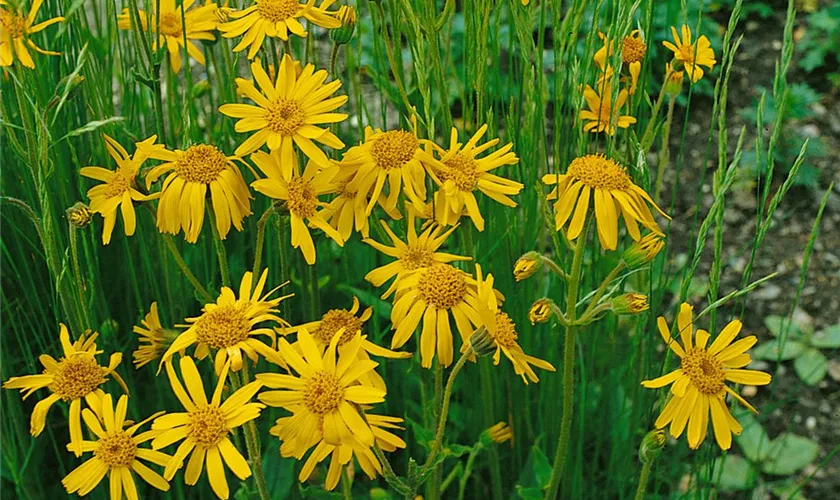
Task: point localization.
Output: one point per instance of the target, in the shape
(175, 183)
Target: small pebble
(749, 391)
(811, 423)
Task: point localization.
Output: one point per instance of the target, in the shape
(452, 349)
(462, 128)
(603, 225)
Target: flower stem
(77, 273)
(643, 479)
(647, 138)
(603, 288)
(346, 485)
(444, 410)
(389, 51)
(252, 437)
(568, 366)
(221, 253)
(663, 151)
(258, 247)
(283, 248)
(176, 254)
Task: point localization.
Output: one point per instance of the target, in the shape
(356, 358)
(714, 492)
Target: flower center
(223, 326)
(12, 23)
(704, 370)
(323, 394)
(302, 200)
(599, 172)
(117, 185)
(633, 49)
(285, 116)
(416, 257)
(687, 53)
(443, 286)
(201, 164)
(394, 149)
(334, 320)
(505, 334)
(207, 426)
(277, 10)
(462, 171)
(116, 450)
(170, 24)
(76, 377)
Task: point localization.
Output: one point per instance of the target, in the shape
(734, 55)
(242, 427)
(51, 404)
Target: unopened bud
(540, 311)
(673, 85)
(498, 433)
(79, 215)
(347, 16)
(643, 251)
(69, 84)
(200, 89)
(652, 445)
(630, 303)
(482, 343)
(223, 13)
(527, 265)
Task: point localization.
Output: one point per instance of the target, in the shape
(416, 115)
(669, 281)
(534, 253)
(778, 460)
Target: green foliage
(818, 48)
(801, 345)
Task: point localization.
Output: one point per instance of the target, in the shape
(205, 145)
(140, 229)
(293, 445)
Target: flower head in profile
(613, 194)
(154, 339)
(691, 55)
(633, 49)
(603, 114)
(74, 377)
(197, 24)
(299, 193)
(188, 176)
(322, 397)
(119, 188)
(204, 428)
(275, 19)
(699, 385)
(116, 452)
(498, 433)
(230, 325)
(502, 331)
(288, 111)
(16, 29)
(461, 173)
(416, 252)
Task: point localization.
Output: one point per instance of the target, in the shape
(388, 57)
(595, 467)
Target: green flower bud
(643, 251)
(630, 303)
(347, 16)
(652, 445)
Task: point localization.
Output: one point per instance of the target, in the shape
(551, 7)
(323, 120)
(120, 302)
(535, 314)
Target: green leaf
(827, 339)
(456, 450)
(92, 125)
(811, 366)
(776, 323)
(529, 493)
(789, 453)
(424, 437)
(735, 473)
(770, 350)
(754, 441)
(542, 467)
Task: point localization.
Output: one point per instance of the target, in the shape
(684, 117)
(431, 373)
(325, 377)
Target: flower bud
(673, 85)
(527, 265)
(652, 445)
(481, 342)
(70, 84)
(630, 303)
(79, 215)
(643, 251)
(541, 311)
(347, 16)
(498, 433)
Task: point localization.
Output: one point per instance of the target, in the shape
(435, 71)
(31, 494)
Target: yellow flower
(502, 331)
(300, 196)
(204, 429)
(699, 387)
(188, 176)
(74, 377)
(602, 114)
(116, 452)
(414, 253)
(500, 433)
(275, 19)
(79, 215)
(673, 86)
(200, 24)
(630, 303)
(346, 320)
(541, 310)
(643, 251)
(320, 396)
(526, 265)
(119, 189)
(229, 326)
(614, 195)
(154, 339)
(347, 17)
(633, 50)
(15, 31)
(460, 173)
(690, 55)
(288, 111)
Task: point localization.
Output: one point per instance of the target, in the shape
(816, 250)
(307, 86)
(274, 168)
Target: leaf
(456, 450)
(754, 441)
(92, 125)
(536, 474)
(789, 453)
(422, 436)
(776, 323)
(827, 339)
(735, 473)
(811, 366)
(279, 472)
(529, 493)
(770, 350)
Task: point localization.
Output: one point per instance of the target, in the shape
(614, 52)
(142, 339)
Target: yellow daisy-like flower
(633, 50)
(320, 396)
(200, 24)
(614, 194)
(603, 115)
(229, 326)
(348, 210)
(394, 156)
(326, 328)
(412, 254)
(116, 452)
(154, 339)
(300, 196)
(275, 19)
(462, 173)
(189, 175)
(204, 429)
(15, 31)
(502, 331)
(72, 378)
(691, 55)
(699, 387)
(288, 111)
(119, 189)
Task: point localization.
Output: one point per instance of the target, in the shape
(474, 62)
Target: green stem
(173, 249)
(346, 485)
(333, 58)
(252, 437)
(568, 367)
(465, 477)
(389, 51)
(643, 479)
(603, 287)
(221, 253)
(550, 264)
(664, 151)
(283, 261)
(433, 486)
(77, 273)
(647, 138)
(261, 240)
